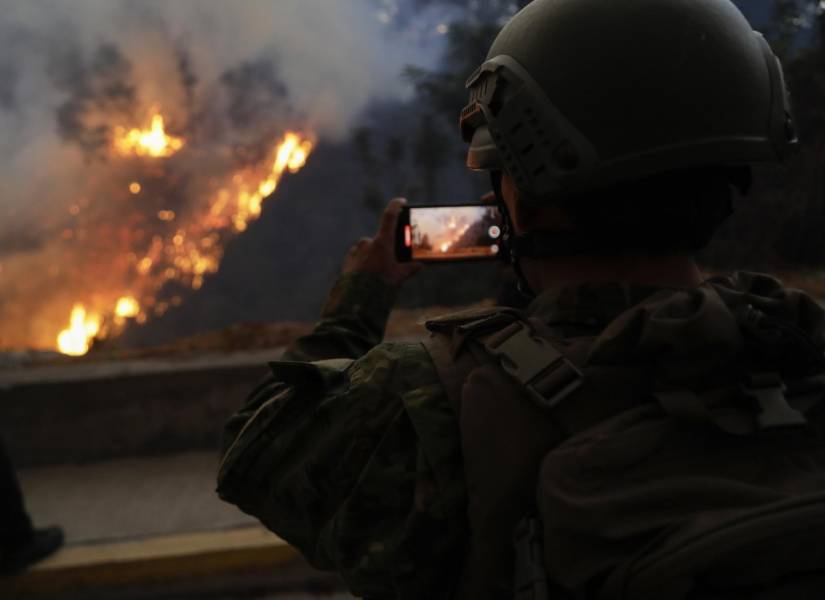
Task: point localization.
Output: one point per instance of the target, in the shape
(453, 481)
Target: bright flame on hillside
(456, 232)
(153, 141)
(77, 338)
(291, 155)
(127, 307)
(185, 247)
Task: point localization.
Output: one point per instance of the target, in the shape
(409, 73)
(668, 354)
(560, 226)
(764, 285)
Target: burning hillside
(174, 247)
(148, 219)
(137, 139)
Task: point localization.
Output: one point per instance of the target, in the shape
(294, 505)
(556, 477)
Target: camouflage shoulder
(312, 373)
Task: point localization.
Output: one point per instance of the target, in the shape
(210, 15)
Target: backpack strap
(505, 336)
(534, 363)
(447, 341)
(762, 402)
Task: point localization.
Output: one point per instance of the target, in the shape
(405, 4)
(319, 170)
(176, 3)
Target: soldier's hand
(376, 255)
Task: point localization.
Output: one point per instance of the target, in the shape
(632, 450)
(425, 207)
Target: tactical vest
(545, 429)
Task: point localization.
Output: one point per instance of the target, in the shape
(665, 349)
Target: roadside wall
(90, 412)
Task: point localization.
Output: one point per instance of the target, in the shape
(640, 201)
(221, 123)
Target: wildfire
(456, 233)
(154, 141)
(291, 155)
(77, 338)
(192, 246)
(127, 307)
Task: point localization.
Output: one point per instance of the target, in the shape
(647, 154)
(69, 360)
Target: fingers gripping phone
(448, 233)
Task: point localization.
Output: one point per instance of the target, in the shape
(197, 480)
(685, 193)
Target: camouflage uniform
(355, 462)
(360, 460)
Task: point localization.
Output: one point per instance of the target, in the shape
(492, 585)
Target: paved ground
(154, 528)
(130, 498)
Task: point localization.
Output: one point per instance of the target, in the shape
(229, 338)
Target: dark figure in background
(20, 543)
(640, 432)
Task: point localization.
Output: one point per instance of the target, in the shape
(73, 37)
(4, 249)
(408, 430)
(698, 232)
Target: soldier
(639, 432)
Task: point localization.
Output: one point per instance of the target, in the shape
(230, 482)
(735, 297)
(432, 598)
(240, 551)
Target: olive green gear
(582, 94)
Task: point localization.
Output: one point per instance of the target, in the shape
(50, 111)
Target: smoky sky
(229, 77)
(63, 62)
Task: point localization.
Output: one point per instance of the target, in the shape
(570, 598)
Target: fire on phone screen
(453, 232)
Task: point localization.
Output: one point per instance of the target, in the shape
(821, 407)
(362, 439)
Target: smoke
(228, 77)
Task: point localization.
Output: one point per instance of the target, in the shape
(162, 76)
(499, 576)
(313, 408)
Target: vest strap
(534, 363)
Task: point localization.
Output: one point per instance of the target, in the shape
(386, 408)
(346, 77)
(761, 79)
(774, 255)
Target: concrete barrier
(81, 412)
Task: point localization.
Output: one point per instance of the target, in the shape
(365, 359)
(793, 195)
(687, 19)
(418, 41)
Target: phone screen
(445, 233)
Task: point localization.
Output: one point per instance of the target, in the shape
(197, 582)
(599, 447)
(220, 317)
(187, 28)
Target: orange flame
(456, 232)
(127, 307)
(77, 338)
(290, 155)
(154, 141)
(191, 250)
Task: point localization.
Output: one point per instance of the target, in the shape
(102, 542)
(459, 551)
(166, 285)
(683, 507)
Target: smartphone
(449, 233)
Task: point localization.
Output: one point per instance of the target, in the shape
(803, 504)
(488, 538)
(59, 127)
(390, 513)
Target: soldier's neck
(666, 271)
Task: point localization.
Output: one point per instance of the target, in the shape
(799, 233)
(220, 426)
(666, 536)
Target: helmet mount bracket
(535, 143)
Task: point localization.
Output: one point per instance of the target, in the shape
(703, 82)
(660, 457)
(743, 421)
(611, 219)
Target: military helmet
(577, 95)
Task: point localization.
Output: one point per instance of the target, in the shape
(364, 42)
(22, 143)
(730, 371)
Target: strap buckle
(533, 362)
(768, 391)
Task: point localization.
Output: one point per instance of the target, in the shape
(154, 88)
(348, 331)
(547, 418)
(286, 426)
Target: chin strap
(509, 245)
(532, 244)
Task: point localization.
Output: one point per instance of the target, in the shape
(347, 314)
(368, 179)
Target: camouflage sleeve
(358, 465)
(352, 320)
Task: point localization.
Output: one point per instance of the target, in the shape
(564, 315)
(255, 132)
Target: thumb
(389, 220)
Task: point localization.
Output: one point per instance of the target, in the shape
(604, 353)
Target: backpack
(709, 491)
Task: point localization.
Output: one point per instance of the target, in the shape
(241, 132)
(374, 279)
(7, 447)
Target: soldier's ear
(531, 215)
